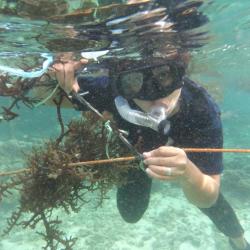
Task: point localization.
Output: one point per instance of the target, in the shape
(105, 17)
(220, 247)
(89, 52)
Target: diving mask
(149, 83)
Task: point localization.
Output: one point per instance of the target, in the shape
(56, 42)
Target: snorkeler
(163, 111)
(158, 106)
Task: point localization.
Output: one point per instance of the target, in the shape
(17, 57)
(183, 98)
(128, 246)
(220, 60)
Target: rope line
(132, 158)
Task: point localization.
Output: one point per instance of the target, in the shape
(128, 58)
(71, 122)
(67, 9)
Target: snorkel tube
(156, 119)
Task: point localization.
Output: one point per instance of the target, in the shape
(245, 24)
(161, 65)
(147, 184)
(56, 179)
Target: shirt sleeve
(208, 163)
(201, 127)
(97, 91)
(206, 132)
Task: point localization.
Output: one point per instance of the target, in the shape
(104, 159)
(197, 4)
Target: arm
(200, 189)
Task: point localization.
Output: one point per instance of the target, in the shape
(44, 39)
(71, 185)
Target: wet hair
(184, 14)
(169, 43)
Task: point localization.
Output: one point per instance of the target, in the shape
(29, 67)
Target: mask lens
(163, 75)
(131, 84)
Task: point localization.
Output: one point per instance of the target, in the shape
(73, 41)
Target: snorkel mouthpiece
(164, 127)
(160, 115)
(156, 119)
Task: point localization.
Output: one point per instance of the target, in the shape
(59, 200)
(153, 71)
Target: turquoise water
(222, 66)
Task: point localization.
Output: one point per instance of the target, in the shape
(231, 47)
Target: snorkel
(151, 120)
(156, 118)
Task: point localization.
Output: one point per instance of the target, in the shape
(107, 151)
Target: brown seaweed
(51, 183)
(17, 89)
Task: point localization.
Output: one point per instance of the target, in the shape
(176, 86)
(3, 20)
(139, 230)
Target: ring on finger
(168, 171)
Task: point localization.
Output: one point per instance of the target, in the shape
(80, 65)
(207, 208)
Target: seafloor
(170, 223)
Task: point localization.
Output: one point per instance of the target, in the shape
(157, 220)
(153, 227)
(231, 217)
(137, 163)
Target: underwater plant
(51, 181)
(16, 90)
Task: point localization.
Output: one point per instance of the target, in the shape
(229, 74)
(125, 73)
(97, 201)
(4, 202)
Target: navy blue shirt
(196, 125)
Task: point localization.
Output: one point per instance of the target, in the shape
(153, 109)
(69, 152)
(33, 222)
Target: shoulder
(198, 123)
(197, 93)
(200, 106)
(203, 121)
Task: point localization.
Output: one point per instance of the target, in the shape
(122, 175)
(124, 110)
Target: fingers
(173, 161)
(84, 61)
(78, 64)
(161, 161)
(164, 151)
(164, 171)
(59, 73)
(155, 175)
(68, 65)
(166, 163)
(65, 74)
(75, 86)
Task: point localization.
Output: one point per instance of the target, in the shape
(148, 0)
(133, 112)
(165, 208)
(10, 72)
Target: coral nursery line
(216, 150)
(133, 158)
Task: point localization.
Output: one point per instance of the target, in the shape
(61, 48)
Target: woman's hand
(64, 71)
(170, 163)
(166, 163)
